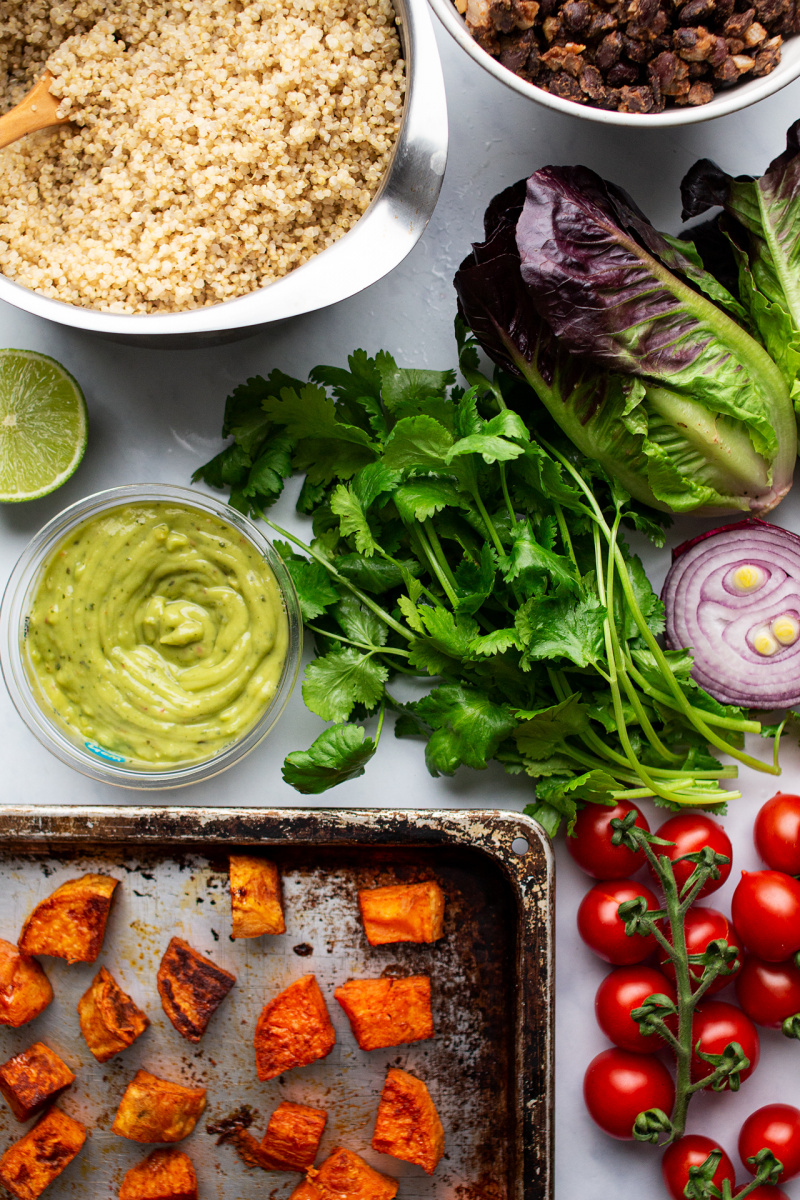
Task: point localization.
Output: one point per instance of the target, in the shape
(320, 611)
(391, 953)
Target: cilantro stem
(419, 533)
(506, 497)
(565, 534)
(499, 547)
(368, 646)
(683, 704)
(367, 601)
(441, 557)
(735, 724)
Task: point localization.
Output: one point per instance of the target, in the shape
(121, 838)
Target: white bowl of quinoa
(639, 63)
(226, 164)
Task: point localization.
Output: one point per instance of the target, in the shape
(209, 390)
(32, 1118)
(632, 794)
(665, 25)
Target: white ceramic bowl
(68, 744)
(730, 100)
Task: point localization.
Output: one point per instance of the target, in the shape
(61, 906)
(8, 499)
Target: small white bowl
(729, 100)
(68, 744)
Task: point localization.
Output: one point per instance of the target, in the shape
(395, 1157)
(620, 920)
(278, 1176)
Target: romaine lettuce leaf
(762, 222)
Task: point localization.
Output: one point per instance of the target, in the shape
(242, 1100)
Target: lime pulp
(43, 425)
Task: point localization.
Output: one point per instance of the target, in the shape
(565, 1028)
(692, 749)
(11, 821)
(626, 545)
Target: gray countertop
(155, 415)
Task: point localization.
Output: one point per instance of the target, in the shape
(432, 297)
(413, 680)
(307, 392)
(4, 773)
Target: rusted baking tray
(489, 1067)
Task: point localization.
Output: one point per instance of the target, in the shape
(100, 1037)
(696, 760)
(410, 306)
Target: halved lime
(42, 425)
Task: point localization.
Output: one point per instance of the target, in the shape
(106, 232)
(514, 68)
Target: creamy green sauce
(158, 633)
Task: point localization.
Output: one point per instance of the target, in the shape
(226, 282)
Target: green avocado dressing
(158, 633)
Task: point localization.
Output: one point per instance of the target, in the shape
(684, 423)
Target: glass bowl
(111, 764)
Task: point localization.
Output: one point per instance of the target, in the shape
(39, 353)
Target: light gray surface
(156, 415)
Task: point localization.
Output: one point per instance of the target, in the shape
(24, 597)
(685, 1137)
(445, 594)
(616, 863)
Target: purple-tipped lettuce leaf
(607, 320)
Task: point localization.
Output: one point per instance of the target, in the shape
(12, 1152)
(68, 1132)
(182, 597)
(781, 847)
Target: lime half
(42, 425)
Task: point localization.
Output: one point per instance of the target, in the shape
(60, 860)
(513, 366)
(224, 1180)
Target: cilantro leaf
(562, 627)
(542, 730)
(352, 519)
(335, 683)
(312, 583)
(420, 499)
(338, 754)
(416, 442)
(467, 727)
(266, 476)
(533, 567)
(400, 385)
(360, 623)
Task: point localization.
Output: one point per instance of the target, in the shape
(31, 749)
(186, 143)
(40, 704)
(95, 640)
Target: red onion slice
(732, 597)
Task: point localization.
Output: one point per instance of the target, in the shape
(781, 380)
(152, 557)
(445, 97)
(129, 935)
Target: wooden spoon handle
(37, 110)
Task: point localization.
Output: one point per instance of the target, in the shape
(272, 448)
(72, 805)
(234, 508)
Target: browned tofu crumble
(216, 144)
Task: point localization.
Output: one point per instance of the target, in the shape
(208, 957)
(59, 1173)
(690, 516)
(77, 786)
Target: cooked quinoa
(214, 146)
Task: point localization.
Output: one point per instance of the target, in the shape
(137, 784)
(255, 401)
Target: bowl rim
(95, 761)
(380, 239)
(734, 99)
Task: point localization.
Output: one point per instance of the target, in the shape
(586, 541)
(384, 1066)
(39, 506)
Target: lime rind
(43, 425)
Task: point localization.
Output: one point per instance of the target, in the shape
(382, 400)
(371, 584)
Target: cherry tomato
(690, 833)
(777, 833)
(621, 991)
(591, 846)
(766, 913)
(763, 1192)
(715, 1025)
(768, 992)
(692, 1151)
(776, 1127)
(619, 1085)
(601, 928)
(702, 926)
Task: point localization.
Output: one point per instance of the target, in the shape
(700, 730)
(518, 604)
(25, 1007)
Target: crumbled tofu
(33, 1079)
(40, 1156)
(25, 990)
(293, 1030)
(191, 988)
(110, 1021)
(403, 913)
(387, 1012)
(255, 897)
(71, 923)
(155, 1110)
(407, 1125)
(345, 1176)
(163, 1175)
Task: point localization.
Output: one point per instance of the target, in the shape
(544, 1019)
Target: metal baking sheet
(489, 1069)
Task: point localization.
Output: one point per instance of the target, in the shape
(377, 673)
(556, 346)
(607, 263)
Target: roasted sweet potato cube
(291, 1142)
(191, 988)
(387, 1012)
(25, 990)
(155, 1110)
(345, 1176)
(41, 1154)
(71, 923)
(411, 912)
(293, 1030)
(163, 1175)
(33, 1079)
(110, 1021)
(256, 903)
(408, 1125)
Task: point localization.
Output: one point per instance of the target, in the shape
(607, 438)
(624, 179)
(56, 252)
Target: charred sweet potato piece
(256, 903)
(191, 988)
(25, 990)
(155, 1110)
(411, 912)
(71, 922)
(345, 1176)
(408, 1125)
(293, 1030)
(41, 1154)
(31, 1080)
(163, 1175)
(110, 1021)
(291, 1142)
(387, 1012)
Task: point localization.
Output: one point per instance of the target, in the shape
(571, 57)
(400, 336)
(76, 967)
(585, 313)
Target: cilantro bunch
(456, 543)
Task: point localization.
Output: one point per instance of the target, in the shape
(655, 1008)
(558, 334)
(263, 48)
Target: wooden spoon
(37, 110)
